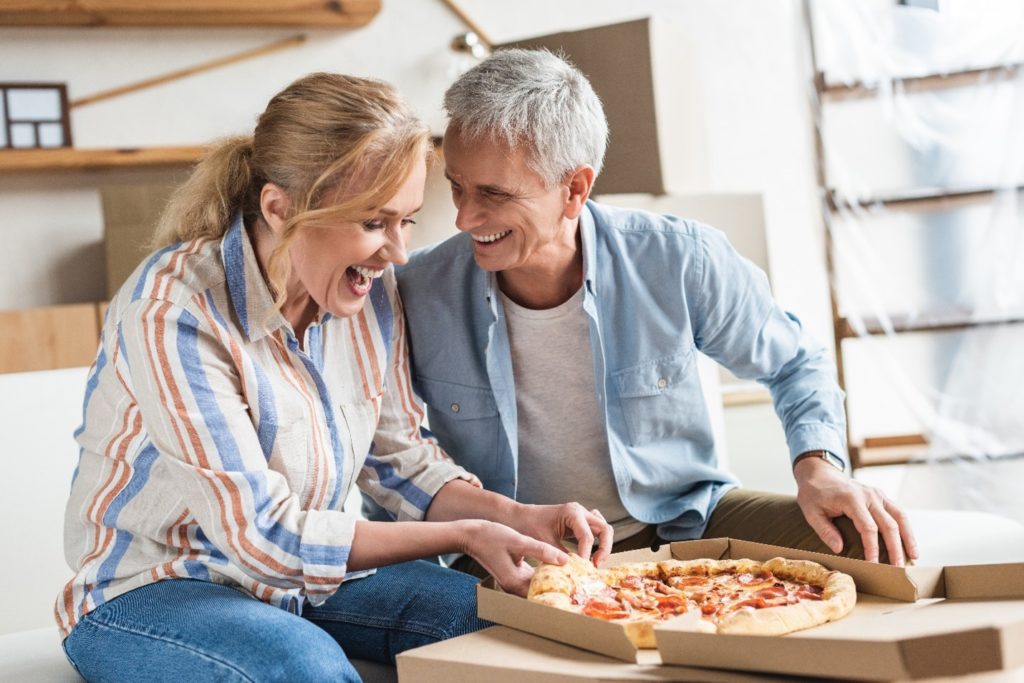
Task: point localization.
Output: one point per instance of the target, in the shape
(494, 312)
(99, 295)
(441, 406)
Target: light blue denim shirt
(658, 289)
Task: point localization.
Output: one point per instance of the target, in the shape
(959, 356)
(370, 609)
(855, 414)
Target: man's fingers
(580, 526)
(889, 530)
(605, 538)
(867, 528)
(826, 530)
(906, 533)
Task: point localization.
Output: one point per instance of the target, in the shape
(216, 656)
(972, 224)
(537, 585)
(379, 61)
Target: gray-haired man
(554, 340)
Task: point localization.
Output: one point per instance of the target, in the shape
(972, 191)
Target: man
(554, 341)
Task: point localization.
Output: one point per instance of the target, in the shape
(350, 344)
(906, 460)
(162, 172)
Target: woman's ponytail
(207, 202)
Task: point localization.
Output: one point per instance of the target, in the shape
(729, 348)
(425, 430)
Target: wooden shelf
(912, 84)
(336, 13)
(924, 323)
(69, 159)
(888, 450)
(927, 200)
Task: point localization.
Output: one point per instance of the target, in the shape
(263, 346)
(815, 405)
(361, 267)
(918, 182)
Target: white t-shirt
(563, 445)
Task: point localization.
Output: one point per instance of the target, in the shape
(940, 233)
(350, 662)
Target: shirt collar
(249, 292)
(588, 238)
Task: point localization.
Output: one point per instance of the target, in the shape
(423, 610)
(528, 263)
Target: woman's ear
(275, 206)
(579, 182)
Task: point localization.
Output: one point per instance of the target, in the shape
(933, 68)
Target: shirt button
(456, 408)
(662, 383)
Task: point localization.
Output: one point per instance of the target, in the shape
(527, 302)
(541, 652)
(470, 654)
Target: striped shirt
(214, 446)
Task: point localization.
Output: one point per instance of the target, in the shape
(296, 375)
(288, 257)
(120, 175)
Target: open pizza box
(911, 622)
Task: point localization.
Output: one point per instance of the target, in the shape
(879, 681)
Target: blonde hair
(323, 133)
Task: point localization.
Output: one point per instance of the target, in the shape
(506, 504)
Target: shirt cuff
(819, 437)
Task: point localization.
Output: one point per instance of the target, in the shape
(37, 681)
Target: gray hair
(535, 99)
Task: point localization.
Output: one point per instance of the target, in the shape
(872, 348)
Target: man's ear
(275, 207)
(580, 182)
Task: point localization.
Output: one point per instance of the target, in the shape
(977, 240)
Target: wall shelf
(14, 161)
(327, 13)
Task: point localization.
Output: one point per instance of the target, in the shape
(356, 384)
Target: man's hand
(502, 552)
(552, 523)
(823, 493)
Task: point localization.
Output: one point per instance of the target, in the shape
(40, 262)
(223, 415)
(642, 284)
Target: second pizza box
(909, 622)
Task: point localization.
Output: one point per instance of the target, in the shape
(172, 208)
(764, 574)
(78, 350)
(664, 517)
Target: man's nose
(469, 215)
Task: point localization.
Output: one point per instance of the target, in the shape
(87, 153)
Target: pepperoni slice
(756, 603)
(681, 581)
(807, 595)
(770, 593)
(631, 582)
(604, 609)
(671, 604)
(707, 609)
(748, 579)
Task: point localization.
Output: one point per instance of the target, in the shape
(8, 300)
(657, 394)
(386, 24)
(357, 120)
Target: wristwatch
(827, 456)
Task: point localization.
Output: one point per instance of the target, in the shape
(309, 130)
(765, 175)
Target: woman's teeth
(362, 277)
(491, 238)
(368, 272)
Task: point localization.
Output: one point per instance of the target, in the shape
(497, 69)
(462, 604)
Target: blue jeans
(188, 630)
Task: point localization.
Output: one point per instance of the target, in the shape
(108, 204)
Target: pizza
(720, 596)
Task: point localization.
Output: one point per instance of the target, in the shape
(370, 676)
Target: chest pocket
(465, 421)
(657, 398)
(361, 417)
(291, 450)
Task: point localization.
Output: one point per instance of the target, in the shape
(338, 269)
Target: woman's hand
(502, 551)
(553, 523)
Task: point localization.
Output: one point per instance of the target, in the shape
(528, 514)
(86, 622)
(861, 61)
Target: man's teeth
(368, 273)
(490, 238)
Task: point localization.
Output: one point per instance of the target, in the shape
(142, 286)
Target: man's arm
(741, 326)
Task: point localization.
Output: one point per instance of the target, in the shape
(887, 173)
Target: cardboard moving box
(909, 622)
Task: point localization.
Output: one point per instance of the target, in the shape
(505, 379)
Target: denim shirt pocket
(656, 396)
(465, 420)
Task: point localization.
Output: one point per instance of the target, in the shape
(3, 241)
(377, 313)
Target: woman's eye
(373, 224)
(407, 222)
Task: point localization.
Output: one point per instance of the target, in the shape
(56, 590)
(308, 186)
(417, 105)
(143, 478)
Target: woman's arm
(497, 547)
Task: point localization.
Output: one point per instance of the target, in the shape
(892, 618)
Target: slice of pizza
(724, 596)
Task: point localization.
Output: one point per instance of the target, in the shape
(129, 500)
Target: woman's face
(336, 264)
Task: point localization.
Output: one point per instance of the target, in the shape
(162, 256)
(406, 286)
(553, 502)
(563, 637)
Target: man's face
(513, 218)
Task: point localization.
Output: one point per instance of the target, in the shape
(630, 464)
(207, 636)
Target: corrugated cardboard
(644, 71)
(909, 622)
(504, 655)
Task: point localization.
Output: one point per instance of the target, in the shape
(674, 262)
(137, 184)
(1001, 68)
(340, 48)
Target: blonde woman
(250, 372)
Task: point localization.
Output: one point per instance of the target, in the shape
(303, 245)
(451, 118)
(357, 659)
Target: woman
(249, 372)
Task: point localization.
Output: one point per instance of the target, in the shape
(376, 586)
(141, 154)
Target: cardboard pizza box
(504, 655)
(905, 625)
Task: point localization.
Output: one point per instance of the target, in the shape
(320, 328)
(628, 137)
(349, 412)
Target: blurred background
(868, 155)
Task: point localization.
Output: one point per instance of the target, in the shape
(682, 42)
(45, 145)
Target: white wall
(750, 67)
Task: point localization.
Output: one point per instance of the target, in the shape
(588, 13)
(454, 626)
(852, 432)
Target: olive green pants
(750, 516)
